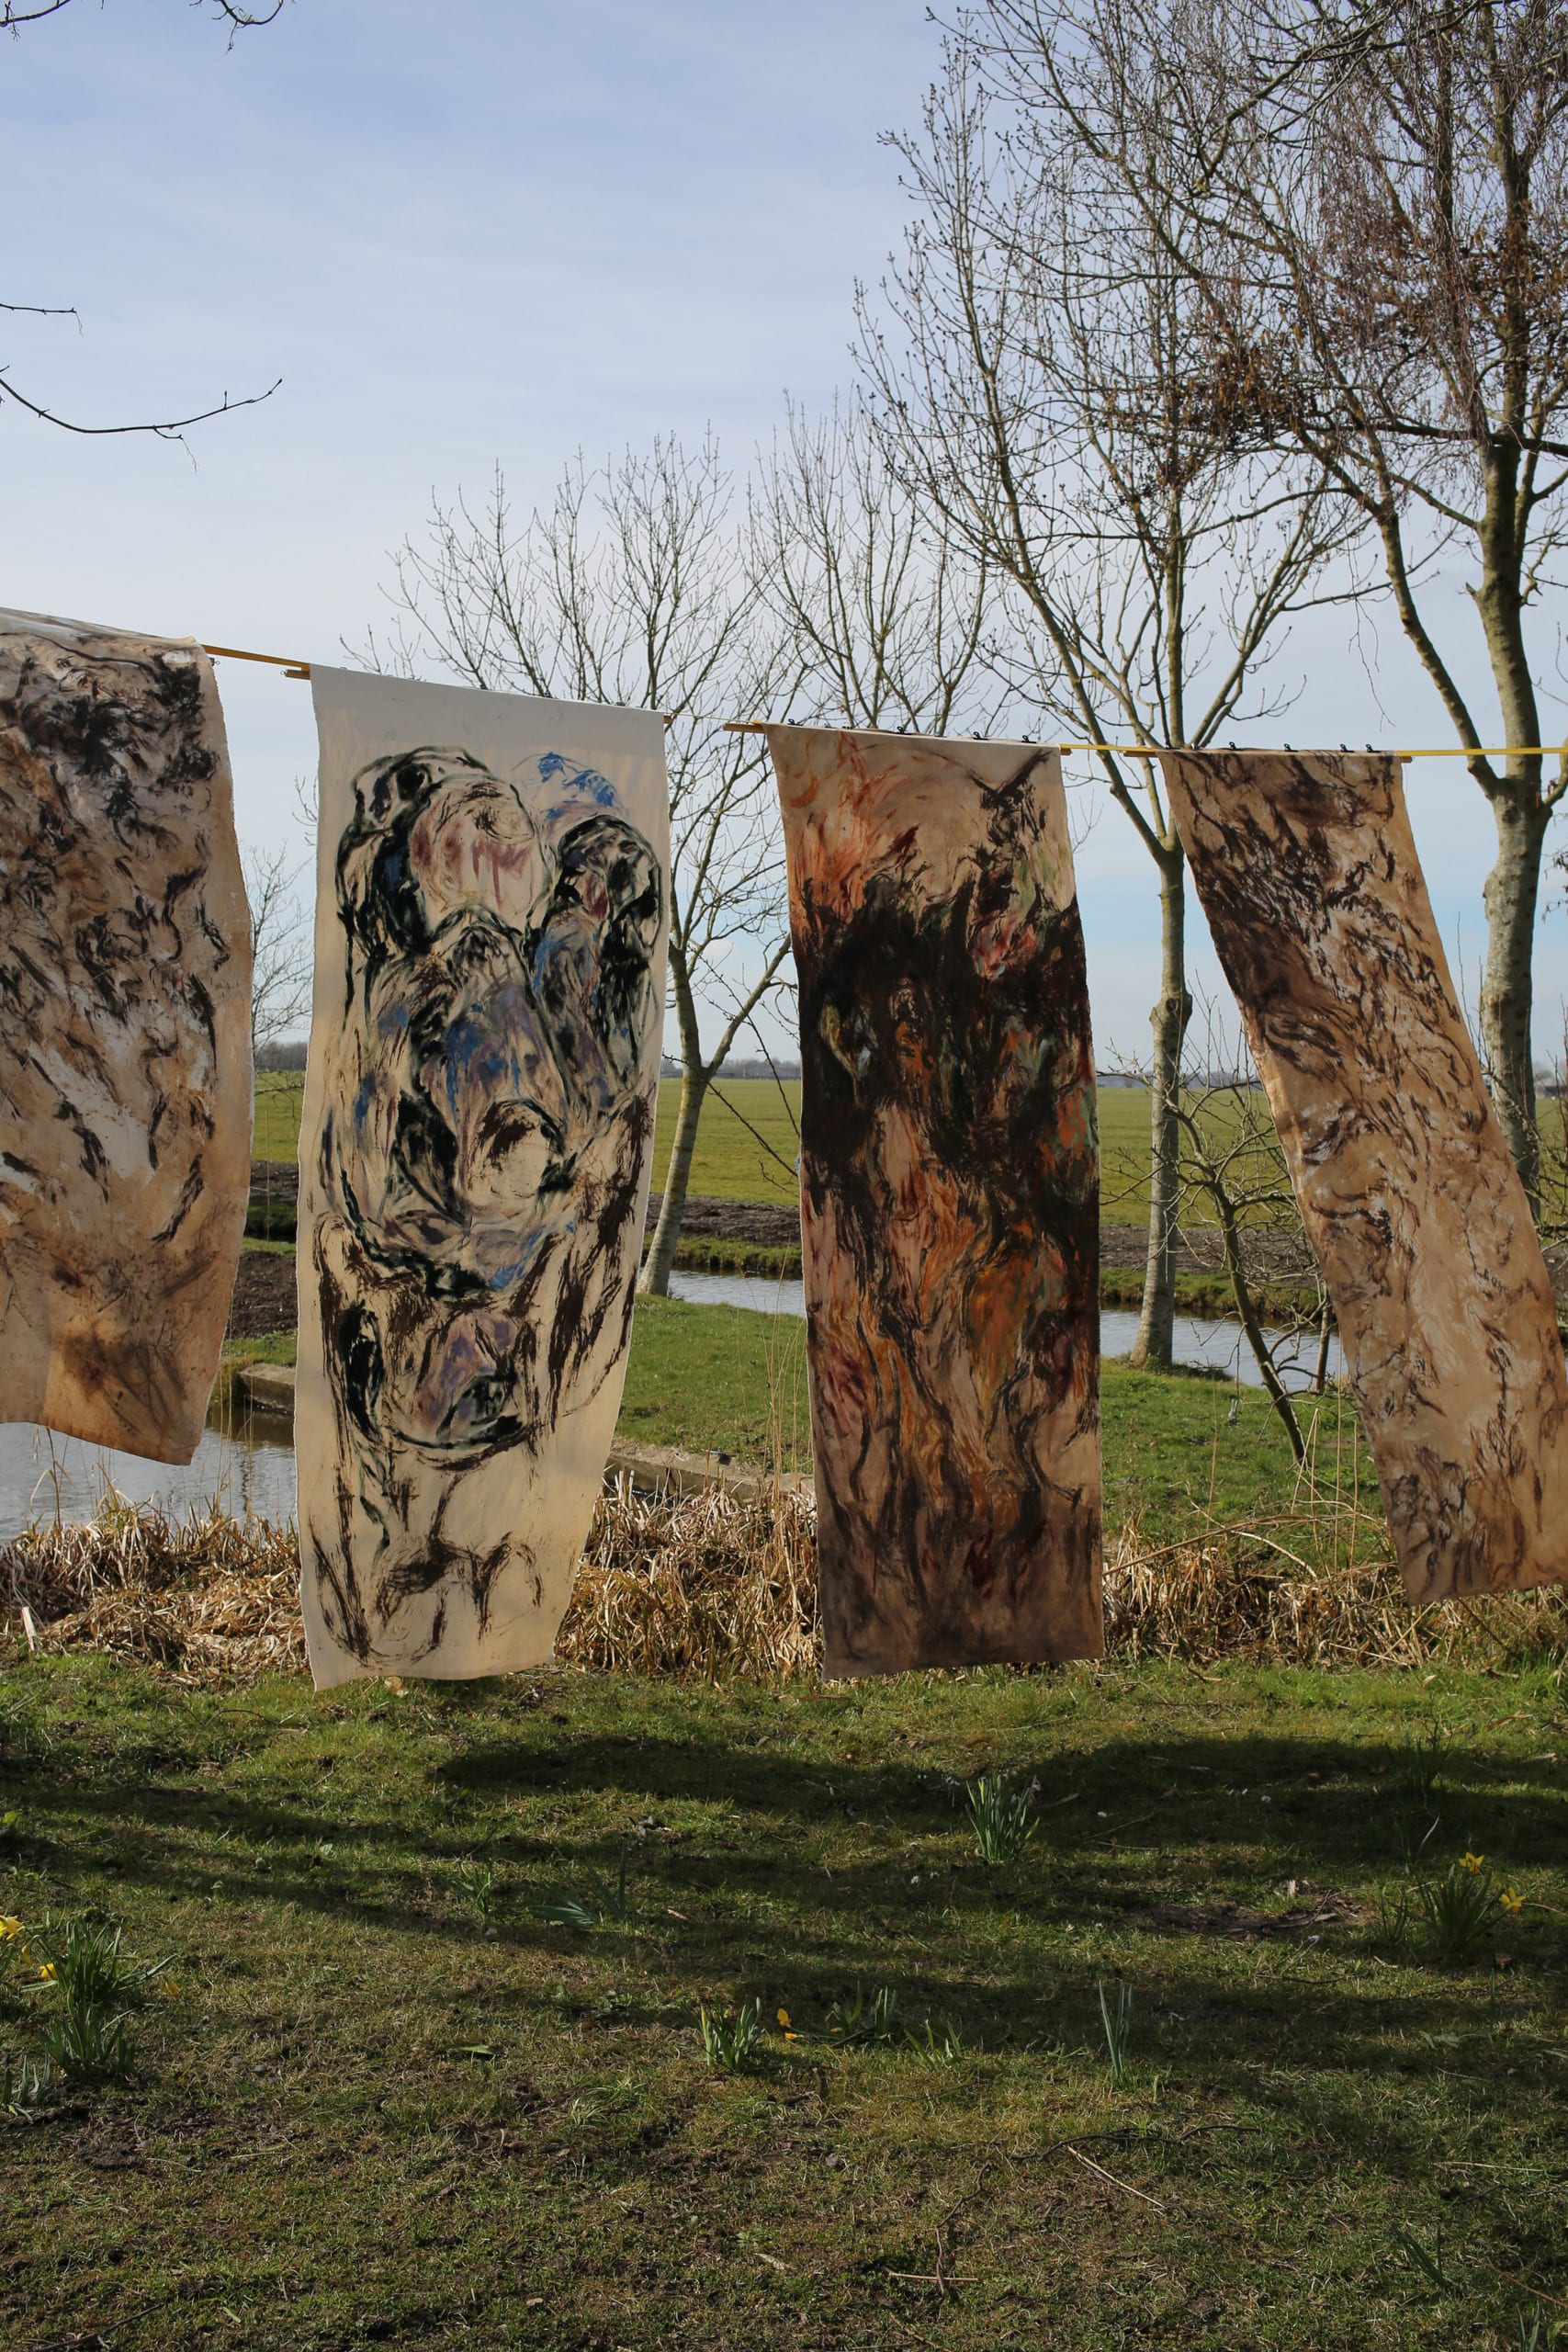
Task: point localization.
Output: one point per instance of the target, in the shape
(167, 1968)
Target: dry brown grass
(1256, 1592)
(708, 1587)
(203, 1596)
(699, 1586)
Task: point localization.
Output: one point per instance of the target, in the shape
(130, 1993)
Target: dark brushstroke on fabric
(949, 1182)
(124, 1037)
(1309, 876)
(483, 1153)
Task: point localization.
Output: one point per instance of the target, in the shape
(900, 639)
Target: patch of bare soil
(707, 1220)
(1278, 1257)
(1311, 1908)
(274, 1180)
(263, 1295)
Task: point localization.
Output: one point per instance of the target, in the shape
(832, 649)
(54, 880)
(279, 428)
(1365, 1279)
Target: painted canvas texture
(1309, 876)
(492, 887)
(949, 1191)
(125, 1039)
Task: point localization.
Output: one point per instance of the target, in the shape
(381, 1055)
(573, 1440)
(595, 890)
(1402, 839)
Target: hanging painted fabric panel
(125, 1036)
(1308, 874)
(492, 882)
(949, 1186)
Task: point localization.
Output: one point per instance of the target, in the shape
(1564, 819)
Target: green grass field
(748, 1140)
(719, 1378)
(722, 1380)
(378, 2098)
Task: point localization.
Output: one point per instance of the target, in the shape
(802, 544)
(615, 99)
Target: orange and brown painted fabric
(950, 1199)
(1307, 871)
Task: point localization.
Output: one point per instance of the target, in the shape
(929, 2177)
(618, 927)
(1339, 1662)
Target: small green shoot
(731, 2036)
(1430, 2265)
(859, 2020)
(1424, 1756)
(1116, 2017)
(24, 2083)
(1459, 1910)
(946, 2048)
(601, 1906)
(1002, 1812)
(86, 1977)
(476, 1884)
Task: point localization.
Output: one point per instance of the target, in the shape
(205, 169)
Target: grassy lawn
(382, 2100)
(279, 1094)
(719, 1377)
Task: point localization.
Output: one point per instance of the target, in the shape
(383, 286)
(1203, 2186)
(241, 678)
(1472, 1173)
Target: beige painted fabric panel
(1308, 874)
(950, 1199)
(492, 887)
(125, 1039)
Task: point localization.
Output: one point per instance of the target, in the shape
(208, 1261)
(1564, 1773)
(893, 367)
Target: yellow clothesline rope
(1154, 751)
(293, 669)
(284, 662)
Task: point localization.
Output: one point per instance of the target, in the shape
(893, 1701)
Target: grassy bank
(378, 2095)
(720, 1379)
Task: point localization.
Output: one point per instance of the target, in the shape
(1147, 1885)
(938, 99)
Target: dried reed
(203, 1596)
(712, 1587)
(701, 1584)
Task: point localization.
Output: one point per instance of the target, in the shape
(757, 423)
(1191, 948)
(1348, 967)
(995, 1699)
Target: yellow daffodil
(46, 1973)
(1512, 1901)
(1473, 1863)
(9, 1928)
(784, 2019)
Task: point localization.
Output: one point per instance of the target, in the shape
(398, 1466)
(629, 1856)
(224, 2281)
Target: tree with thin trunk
(1377, 195)
(632, 587)
(1040, 378)
(280, 949)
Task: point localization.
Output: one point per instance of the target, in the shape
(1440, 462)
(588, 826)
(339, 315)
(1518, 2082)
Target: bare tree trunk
(1152, 1348)
(654, 1280)
(1513, 888)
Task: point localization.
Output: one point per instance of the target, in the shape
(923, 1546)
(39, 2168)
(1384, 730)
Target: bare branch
(169, 430)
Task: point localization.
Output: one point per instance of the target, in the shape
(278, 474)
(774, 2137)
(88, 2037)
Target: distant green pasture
(747, 1143)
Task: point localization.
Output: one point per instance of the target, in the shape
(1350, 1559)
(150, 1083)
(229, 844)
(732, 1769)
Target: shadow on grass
(778, 1896)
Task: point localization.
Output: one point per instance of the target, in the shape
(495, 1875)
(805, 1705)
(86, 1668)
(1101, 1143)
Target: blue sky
(472, 229)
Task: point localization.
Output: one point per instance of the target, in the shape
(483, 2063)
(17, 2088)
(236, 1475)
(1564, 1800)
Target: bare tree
(1231, 1162)
(1042, 383)
(14, 15)
(885, 608)
(1378, 196)
(280, 948)
(633, 587)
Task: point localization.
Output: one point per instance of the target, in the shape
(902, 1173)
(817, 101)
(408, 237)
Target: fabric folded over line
(125, 1035)
(948, 1199)
(1308, 874)
(492, 887)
